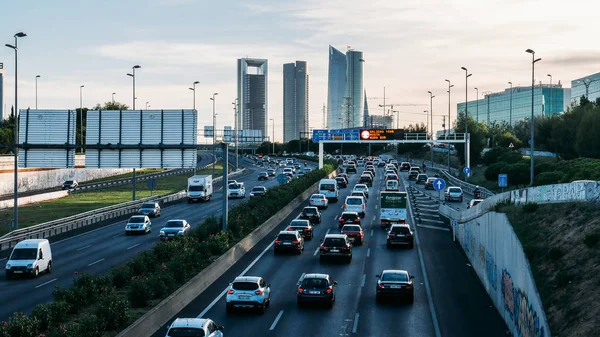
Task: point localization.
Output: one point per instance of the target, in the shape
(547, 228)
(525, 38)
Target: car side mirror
(412, 277)
(220, 327)
(335, 283)
(378, 276)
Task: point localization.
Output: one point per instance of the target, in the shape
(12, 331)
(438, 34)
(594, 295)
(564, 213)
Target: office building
(365, 109)
(586, 86)
(516, 106)
(252, 86)
(295, 101)
(3, 115)
(380, 122)
(345, 93)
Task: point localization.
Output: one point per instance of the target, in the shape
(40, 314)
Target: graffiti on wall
(557, 192)
(519, 196)
(592, 191)
(490, 270)
(522, 314)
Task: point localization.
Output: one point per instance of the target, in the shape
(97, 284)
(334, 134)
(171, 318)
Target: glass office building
(345, 92)
(252, 79)
(354, 90)
(336, 88)
(295, 101)
(586, 86)
(513, 105)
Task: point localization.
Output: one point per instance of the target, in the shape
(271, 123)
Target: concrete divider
(158, 316)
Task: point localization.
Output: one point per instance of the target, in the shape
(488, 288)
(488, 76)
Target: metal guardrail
(127, 181)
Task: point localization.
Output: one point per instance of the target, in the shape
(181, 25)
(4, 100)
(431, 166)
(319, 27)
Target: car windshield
(286, 237)
(422, 176)
(360, 188)
(258, 189)
(334, 242)
(394, 277)
(357, 194)
(354, 201)
(454, 190)
(308, 210)
(400, 230)
(69, 182)
(349, 216)
(148, 206)
(317, 196)
(244, 285)
(234, 186)
(430, 180)
(340, 179)
(327, 187)
(174, 224)
(263, 174)
(315, 283)
(186, 332)
(136, 219)
(351, 229)
(24, 254)
(196, 188)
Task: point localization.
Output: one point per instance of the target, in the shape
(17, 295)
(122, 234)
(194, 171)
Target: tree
(564, 133)
(413, 148)
(587, 141)
(111, 106)
(495, 130)
(477, 132)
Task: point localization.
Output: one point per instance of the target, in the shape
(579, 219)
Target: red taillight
(300, 290)
(329, 290)
(408, 286)
(296, 242)
(277, 242)
(258, 292)
(324, 200)
(363, 207)
(380, 286)
(289, 229)
(230, 291)
(323, 247)
(390, 235)
(341, 219)
(383, 223)
(356, 220)
(345, 206)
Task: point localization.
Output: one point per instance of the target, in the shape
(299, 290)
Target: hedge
(97, 305)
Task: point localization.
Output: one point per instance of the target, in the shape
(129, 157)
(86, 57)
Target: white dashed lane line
(276, 320)
(137, 244)
(95, 262)
(368, 252)
(45, 283)
(84, 247)
(364, 279)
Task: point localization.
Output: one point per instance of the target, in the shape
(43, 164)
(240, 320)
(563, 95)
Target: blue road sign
(151, 183)
(319, 135)
(467, 170)
(502, 180)
(344, 134)
(439, 184)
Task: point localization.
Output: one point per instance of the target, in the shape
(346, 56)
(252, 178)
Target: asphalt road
(97, 250)
(449, 299)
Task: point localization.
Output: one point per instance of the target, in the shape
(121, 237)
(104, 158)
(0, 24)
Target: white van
(236, 190)
(355, 204)
(29, 257)
(329, 187)
(391, 185)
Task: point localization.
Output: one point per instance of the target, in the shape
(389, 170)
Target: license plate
(287, 243)
(395, 287)
(400, 235)
(334, 251)
(244, 296)
(18, 272)
(315, 292)
(170, 234)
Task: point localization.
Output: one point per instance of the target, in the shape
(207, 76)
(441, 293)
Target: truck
(392, 208)
(200, 187)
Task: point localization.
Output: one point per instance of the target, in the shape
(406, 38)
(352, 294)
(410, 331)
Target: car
(271, 172)
(174, 228)
(300, 174)
(348, 218)
(369, 173)
(360, 163)
(236, 190)
(194, 327)
(138, 224)
(258, 191)
(392, 185)
(474, 202)
(304, 227)
(344, 175)
(412, 175)
(151, 209)
(335, 246)
(400, 234)
(248, 292)
(358, 194)
(289, 241)
(361, 188)
(355, 204)
(371, 169)
(355, 233)
(311, 213)
(366, 179)
(415, 168)
(429, 183)
(316, 288)
(421, 178)
(288, 171)
(263, 176)
(381, 163)
(391, 176)
(341, 182)
(404, 166)
(30, 257)
(454, 193)
(69, 184)
(318, 200)
(396, 284)
(351, 168)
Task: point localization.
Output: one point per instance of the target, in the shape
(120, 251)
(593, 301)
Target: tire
(330, 304)
(49, 269)
(389, 245)
(321, 259)
(412, 245)
(36, 273)
(268, 303)
(378, 298)
(228, 309)
(411, 299)
(299, 304)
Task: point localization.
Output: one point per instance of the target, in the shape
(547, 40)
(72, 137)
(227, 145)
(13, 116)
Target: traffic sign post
(467, 170)
(453, 224)
(439, 185)
(151, 183)
(502, 181)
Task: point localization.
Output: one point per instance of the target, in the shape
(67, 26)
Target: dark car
(404, 166)
(412, 175)
(310, 213)
(396, 284)
(351, 168)
(336, 246)
(316, 288)
(421, 179)
(344, 175)
(258, 191)
(289, 241)
(69, 184)
(355, 233)
(381, 163)
(304, 227)
(400, 234)
(271, 172)
(348, 218)
(263, 176)
(429, 183)
(391, 176)
(415, 168)
(341, 182)
(366, 179)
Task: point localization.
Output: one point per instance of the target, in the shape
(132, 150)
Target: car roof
(30, 243)
(289, 232)
(318, 194)
(450, 187)
(348, 212)
(310, 207)
(315, 275)
(189, 322)
(247, 279)
(336, 236)
(175, 220)
(351, 225)
(394, 271)
(400, 225)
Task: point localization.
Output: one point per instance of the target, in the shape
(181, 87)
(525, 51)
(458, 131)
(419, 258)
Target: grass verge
(562, 242)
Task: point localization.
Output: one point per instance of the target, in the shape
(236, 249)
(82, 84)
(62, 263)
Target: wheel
(411, 299)
(49, 269)
(412, 245)
(228, 309)
(189, 201)
(321, 259)
(268, 303)
(36, 273)
(377, 298)
(360, 243)
(389, 245)
(330, 304)
(8, 276)
(299, 304)
(275, 251)
(461, 199)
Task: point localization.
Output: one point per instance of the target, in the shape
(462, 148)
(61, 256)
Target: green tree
(495, 131)
(564, 133)
(111, 106)
(588, 142)
(413, 148)
(477, 132)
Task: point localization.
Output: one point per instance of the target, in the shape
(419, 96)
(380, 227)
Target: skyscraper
(252, 88)
(354, 88)
(336, 88)
(295, 100)
(345, 95)
(2, 116)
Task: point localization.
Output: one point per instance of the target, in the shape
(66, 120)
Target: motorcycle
(477, 194)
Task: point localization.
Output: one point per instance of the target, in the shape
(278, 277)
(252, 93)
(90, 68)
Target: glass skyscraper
(354, 90)
(589, 84)
(336, 88)
(295, 101)
(516, 106)
(252, 79)
(345, 93)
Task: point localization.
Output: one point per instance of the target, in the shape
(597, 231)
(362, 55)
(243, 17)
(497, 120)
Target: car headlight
(162, 232)
(30, 265)
(180, 233)
(8, 266)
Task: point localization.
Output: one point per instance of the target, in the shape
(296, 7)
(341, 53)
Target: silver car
(318, 200)
(174, 228)
(250, 292)
(453, 193)
(195, 327)
(138, 224)
(151, 209)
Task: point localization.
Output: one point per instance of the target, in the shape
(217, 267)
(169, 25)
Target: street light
(235, 117)
(448, 134)
(133, 108)
(81, 116)
(213, 98)
(193, 88)
(113, 97)
(550, 91)
(510, 110)
(15, 47)
(533, 61)
(36, 77)
(273, 140)
(467, 75)
(477, 100)
(147, 105)
(431, 96)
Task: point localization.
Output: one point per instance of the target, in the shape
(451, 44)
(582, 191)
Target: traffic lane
(439, 196)
(210, 304)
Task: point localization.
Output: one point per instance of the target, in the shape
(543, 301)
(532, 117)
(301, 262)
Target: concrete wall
(497, 256)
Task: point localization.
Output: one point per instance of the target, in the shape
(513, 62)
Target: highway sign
(502, 180)
(510, 145)
(381, 134)
(453, 223)
(344, 134)
(319, 135)
(467, 170)
(439, 184)
(151, 183)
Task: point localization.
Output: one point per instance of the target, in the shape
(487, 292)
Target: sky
(409, 48)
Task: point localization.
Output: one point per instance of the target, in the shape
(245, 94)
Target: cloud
(583, 58)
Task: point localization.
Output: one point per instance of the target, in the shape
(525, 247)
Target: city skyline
(295, 100)
(411, 52)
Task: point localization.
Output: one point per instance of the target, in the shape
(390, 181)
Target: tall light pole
(467, 147)
(213, 98)
(235, 112)
(273, 140)
(137, 66)
(147, 105)
(81, 116)
(113, 97)
(477, 100)
(532, 122)
(36, 78)
(431, 96)
(550, 93)
(15, 47)
(510, 109)
(448, 134)
(193, 88)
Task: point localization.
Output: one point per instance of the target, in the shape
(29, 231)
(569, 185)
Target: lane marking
(45, 283)
(335, 217)
(364, 279)
(355, 327)
(114, 236)
(435, 227)
(137, 244)
(276, 320)
(371, 232)
(95, 262)
(374, 217)
(368, 252)
(82, 248)
(376, 206)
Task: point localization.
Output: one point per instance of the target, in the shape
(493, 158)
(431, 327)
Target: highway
(95, 251)
(449, 299)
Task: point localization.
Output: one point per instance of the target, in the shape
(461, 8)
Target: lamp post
(81, 116)
(235, 112)
(113, 97)
(510, 109)
(193, 88)
(133, 108)
(147, 105)
(467, 147)
(532, 122)
(213, 98)
(550, 93)
(15, 47)
(273, 140)
(477, 102)
(448, 134)
(36, 77)
(431, 96)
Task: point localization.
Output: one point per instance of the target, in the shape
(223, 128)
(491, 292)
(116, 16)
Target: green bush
(518, 174)
(121, 276)
(492, 171)
(510, 157)
(145, 262)
(161, 283)
(89, 326)
(548, 178)
(112, 312)
(50, 314)
(138, 292)
(491, 156)
(591, 239)
(22, 326)
(530, 207)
